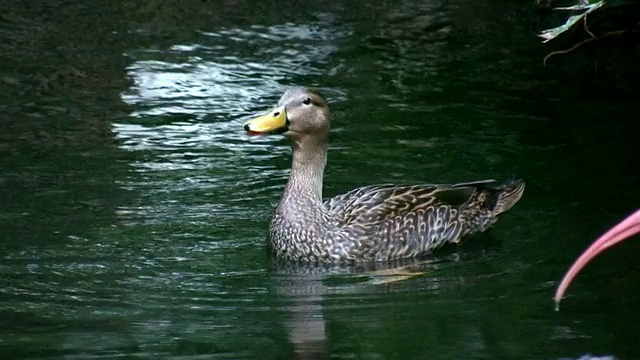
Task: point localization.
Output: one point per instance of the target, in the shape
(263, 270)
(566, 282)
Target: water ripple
(216, 79)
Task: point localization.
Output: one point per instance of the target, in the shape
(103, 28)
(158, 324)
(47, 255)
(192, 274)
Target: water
(134, 209)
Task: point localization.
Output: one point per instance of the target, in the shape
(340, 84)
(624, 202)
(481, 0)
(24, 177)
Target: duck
(383, 222)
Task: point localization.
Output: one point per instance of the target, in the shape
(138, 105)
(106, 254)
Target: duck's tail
(508, 195)
(487, 203)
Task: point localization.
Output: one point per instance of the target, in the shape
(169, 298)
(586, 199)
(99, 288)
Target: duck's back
(389, 222)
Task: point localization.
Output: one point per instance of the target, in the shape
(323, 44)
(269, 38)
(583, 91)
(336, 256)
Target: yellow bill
(274, 121)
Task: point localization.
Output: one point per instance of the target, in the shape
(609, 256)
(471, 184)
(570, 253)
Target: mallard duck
(371, 223)
(626, 229)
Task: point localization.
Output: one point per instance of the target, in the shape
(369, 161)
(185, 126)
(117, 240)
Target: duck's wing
(406, 220)
(377, 203)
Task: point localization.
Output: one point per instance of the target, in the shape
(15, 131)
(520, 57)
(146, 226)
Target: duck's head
(301, 113)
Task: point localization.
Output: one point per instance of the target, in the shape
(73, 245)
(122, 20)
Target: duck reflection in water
(301, 289)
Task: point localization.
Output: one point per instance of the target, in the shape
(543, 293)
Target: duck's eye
(306, 101)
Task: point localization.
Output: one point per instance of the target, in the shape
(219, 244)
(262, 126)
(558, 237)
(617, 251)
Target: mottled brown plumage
(377, 222)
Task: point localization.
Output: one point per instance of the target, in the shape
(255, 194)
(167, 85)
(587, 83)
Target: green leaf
(550, 34)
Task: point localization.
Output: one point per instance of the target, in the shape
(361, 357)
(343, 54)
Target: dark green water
(133, 209)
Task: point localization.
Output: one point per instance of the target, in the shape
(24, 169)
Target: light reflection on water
(237, 77)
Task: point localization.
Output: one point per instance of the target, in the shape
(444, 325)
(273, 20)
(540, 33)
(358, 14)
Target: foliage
(595, 20)
(552, 33)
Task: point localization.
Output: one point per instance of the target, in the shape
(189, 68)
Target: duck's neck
(303, 193)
